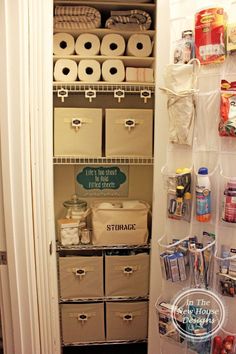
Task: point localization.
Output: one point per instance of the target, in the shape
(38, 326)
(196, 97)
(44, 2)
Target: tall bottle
(203, 195)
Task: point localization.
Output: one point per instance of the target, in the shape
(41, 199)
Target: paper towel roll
(113, 45)
(139, 74)
(89, 70)
(139, 45)
(65, 70)
(113, 70)
(63, 44)
(87, 44)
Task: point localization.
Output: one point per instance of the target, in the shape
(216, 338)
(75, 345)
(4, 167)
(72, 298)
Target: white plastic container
(203, 195)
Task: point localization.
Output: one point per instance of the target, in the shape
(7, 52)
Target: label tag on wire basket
(145, 94)
(119, 94)
(90, 94)
(62, 93)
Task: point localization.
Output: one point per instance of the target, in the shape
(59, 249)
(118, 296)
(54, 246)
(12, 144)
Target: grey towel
(78, 17)
(136, 20)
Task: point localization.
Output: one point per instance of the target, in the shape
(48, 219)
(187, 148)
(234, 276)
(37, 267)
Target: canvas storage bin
(129, 132)
(82, 323)
(119, 223)
(126, 320)
(81, 276)
(127, 275)
(77, 132)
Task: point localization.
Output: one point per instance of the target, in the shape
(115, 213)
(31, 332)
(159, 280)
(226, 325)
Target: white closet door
(5, 302)
(21, 300)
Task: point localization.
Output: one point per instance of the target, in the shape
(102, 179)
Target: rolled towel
(113, 45)
(131, 20)
(65, 70)
(89, 70)
(63, 44)
(78, 17)
(87, 44)
(139, 75)
(139, 45)
(113, 70)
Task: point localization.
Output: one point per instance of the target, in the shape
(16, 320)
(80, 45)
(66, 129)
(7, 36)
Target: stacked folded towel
(139, 74)
(131, 20)
(79, 17)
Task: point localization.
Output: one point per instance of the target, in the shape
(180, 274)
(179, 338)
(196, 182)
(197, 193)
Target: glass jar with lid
(76, 208)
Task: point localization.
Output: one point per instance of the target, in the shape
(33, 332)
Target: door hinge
(3, 257)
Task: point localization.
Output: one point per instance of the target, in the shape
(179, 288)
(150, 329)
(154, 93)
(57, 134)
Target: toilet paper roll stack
(113, 45)
(139, 45)
(65, 70)
(63, 44)
(113, 70)
(87, 44)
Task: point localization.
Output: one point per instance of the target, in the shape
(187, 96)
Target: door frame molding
(41, 113)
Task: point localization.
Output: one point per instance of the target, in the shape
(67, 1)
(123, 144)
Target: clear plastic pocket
(179, 194)
(207, 111)
(188, 260)
(166, 328)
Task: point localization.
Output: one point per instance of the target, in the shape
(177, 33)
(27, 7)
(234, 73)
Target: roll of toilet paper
(87, 44)
(139, 45)
(65, 70)
(89, 70)
(113, 70)
(63, 44)
(113, 45)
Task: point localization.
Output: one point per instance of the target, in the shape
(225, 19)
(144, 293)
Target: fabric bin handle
(128, 317)
(81, 272)
(77, 122)
(130, 123)
(128, 270)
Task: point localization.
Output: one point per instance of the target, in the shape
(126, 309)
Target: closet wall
(139, 173)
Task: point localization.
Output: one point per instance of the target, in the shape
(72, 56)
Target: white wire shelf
(70, 160)
(109, 5)
(144, 62)
(105, 343)
(97, 248)
(105, 299)
(102, 86)
(101, 32)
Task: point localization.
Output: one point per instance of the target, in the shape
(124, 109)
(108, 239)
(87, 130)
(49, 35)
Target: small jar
(85, 236)
(229, 203)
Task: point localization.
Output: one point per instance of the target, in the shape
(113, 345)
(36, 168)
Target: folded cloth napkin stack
(78, 17)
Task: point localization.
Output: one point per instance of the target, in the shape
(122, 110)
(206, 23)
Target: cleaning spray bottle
(203, 195)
